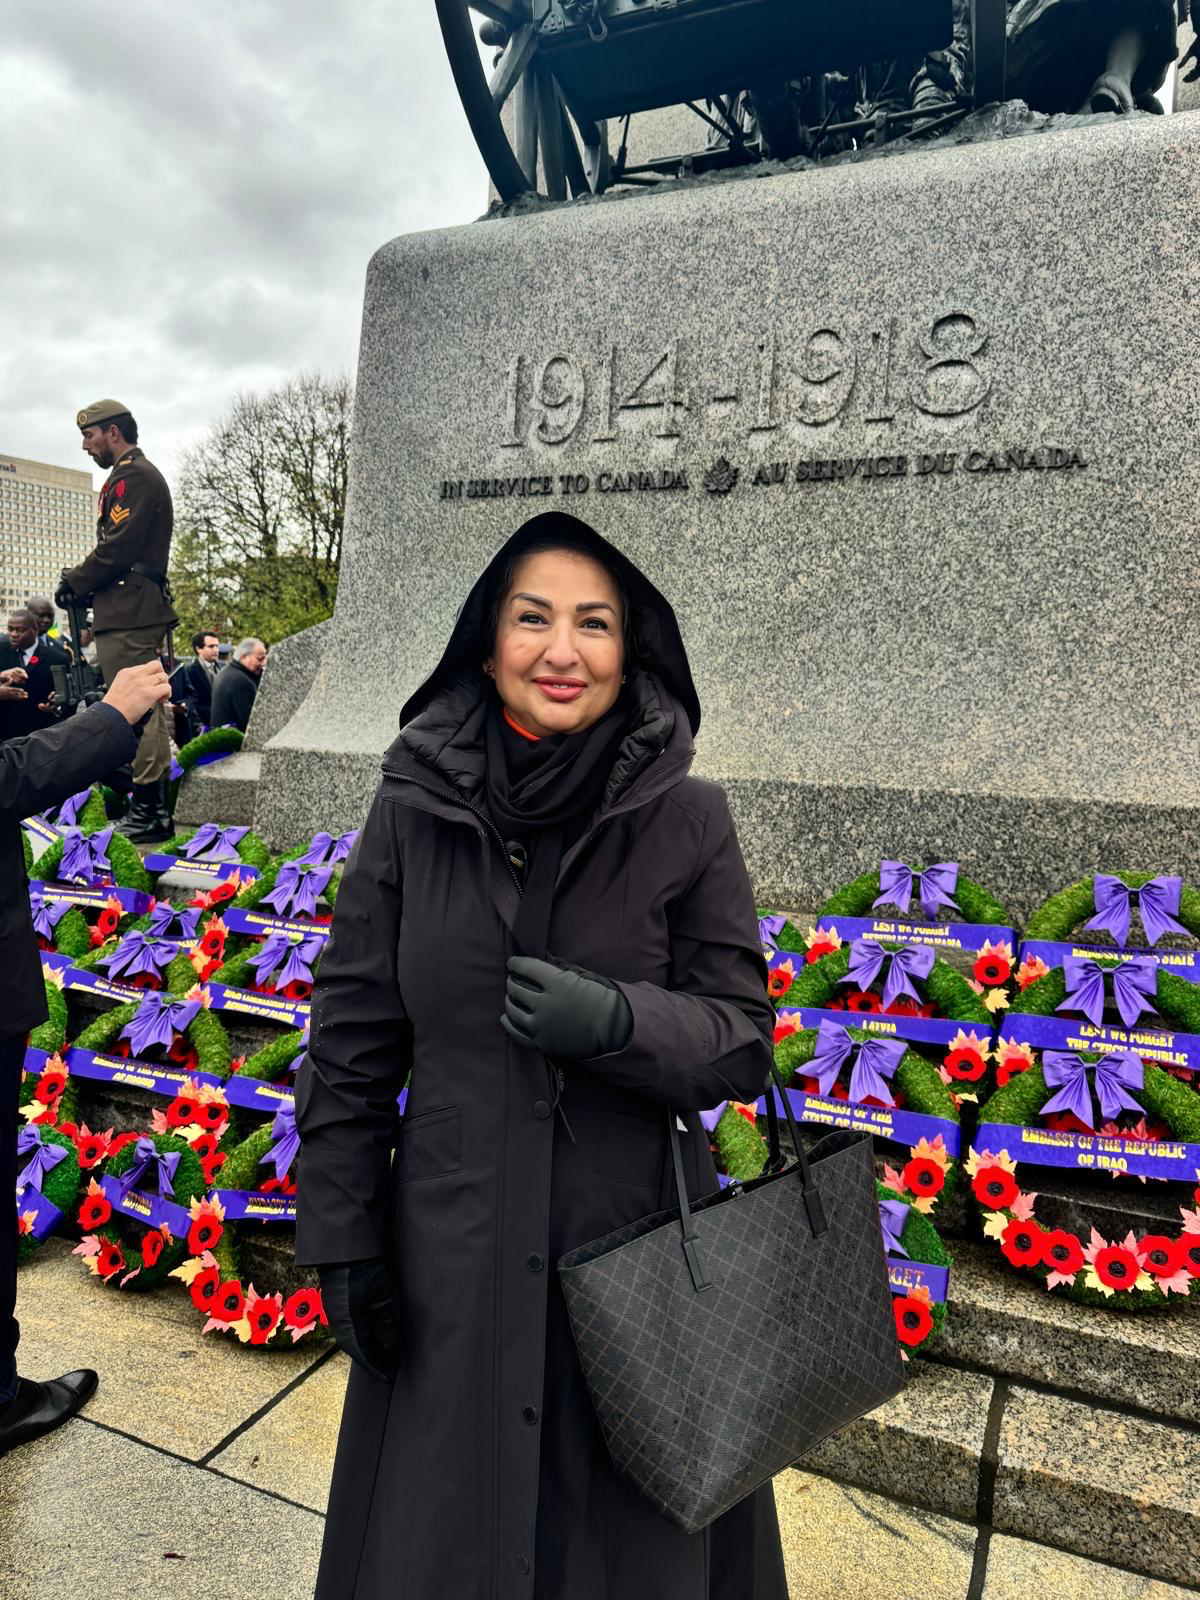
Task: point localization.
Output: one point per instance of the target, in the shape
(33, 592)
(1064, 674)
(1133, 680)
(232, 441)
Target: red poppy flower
(836, 1004)
(107, 922)
(144, 980)
(1067, 1122)
(1159, 1255)
(778, 983)
(182, 1110)
(923, 1176)
(303, 1308)
(821, 948)
(1061, 1252)
(32, 662)
(992, 970)
(121, 1141)
(1116, 1266)
(994, 1188)
(152, 1247)
(1009, 1068)
(94, 1213)
(109, 1261)
(203, 1234)
(211, 1165)
(914, 1320)
(205, 972)
(43, 943)
(296, 990)
(211, 1114)
(50, 1085)
(71, 1130)
(220, 892)
(1188, 1248)
(863, 1000)
(263, 1316)
(181, 1050)
(213, 941)
(1021, 1243)
(91, 1150)
(204, 1146)
(966, 1064)
(122, 1048)
(205, 1288)
(905, 1006)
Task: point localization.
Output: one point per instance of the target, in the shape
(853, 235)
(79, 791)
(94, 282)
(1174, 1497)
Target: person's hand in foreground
(137, 690)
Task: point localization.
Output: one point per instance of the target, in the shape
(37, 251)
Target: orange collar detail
(517, 728)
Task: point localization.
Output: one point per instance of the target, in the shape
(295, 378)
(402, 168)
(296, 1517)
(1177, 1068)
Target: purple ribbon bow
(874, 1060)
(325, 850)
(168, 921)
(1158, 901)
(157, 1020)
(892, 1216)
(298, 888)
(214, 843)
(138, 952)
(291, 954)
(1114, 1074)
(908, 962)
(85, 855)
(709, 1119)
(1134, 986)
(283, 1129)
(769, 929)
(161, 1168)
(43, 1157)
(47, 914)
(935, 886)
(67, 814)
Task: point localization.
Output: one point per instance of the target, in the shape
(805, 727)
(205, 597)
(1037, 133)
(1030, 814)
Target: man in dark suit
(192, 684)
(233, 696)
(29, 706)
(36, 772)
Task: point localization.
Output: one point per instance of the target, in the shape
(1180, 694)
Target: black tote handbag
(722, 1341)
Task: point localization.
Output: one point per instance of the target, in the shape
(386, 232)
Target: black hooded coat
(479, 1472)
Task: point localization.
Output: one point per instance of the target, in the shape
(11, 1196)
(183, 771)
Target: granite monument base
(908, 445)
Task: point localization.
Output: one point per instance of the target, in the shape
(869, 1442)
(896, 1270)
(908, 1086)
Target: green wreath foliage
(60, 1186)
(51, 1035)
(1060, 915)
(255, 893)
(947, 989)
(26, 853)
(205, 1033)
(1177, 1000)
(250, 849)
(188, 1184)
(272, 1061)
(789, 936)
(73, 936)
(217, 741)
(93, 816)
(923, 1243)
(857, 898)
(128, 871)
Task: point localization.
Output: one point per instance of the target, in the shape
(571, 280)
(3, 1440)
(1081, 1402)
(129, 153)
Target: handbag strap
(803, 1170)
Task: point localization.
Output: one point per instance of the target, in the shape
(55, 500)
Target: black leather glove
(64, 595)
(360, 1303)
(566, 1013)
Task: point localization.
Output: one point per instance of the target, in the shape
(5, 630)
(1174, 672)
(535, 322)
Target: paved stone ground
(200, 1471)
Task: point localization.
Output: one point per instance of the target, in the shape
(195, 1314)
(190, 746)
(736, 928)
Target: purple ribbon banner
(1086, 1152)
(246, 1205)
(85, 982)
(1184, 963)
(884, 1122)
(268, 1007)
(42, 830)
(1164, 1046)
(151, 1210)
(164, 1080)
(46, 1215)
(177, 771)
(906, 1275)
(217, 870)
(134, 901)
(933, 935)
(915, 1030)
(261, 924)
(253, 1094)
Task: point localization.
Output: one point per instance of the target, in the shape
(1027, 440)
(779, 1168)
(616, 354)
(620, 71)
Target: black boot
(142, 823)
(163, 806)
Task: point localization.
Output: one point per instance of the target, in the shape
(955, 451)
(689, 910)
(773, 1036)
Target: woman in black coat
(549, 924)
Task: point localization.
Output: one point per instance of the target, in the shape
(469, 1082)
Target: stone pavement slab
(1000, 1320)
(842, 1543)
(1100, 1483)
(924, 1444)
(159, 1380)
(1018, 1570)
(89, 1513)
(290, 1450)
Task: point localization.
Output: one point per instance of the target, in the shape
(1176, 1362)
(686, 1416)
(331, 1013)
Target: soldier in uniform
(125, 580)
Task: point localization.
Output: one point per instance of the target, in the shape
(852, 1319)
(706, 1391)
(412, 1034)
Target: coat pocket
(631, 1149)
(430, 1145)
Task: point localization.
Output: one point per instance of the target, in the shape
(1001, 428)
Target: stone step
(1003, 1322)
(224, 791)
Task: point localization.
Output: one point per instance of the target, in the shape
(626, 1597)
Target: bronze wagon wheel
(573, 148)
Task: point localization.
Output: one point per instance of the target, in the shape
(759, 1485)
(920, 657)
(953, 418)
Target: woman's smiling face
(559, 652)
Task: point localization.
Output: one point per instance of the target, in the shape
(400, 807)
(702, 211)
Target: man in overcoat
(125, 579)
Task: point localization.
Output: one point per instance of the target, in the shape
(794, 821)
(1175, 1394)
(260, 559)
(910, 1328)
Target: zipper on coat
(445, 794)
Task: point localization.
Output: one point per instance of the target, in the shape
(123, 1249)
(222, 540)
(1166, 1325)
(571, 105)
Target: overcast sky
(191, 194)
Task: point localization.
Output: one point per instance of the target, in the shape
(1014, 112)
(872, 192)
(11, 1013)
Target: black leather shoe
(41, 1407)
(146, 821)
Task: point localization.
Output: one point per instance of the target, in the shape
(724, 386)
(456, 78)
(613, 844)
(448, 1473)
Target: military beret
(100, 411)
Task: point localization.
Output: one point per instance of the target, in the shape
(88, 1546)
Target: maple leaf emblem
(721, 476)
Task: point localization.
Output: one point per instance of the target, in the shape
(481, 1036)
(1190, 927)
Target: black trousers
(12, 1054)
